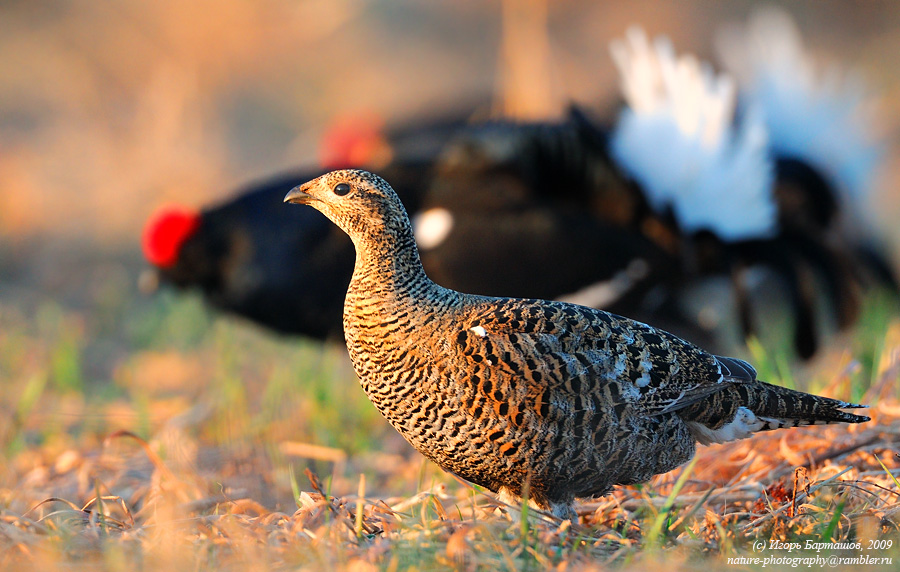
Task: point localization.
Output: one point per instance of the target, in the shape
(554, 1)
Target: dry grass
(183, 520)
(219, 484)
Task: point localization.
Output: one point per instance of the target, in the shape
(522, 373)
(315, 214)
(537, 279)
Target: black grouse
(508, 392)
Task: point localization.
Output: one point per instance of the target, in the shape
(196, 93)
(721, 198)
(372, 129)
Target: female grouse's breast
(500, 401)
(400, 361)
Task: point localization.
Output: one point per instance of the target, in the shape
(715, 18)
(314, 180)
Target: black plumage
(531, 209)
(742, 191)
(630, 218)
(513, 230)
(539, 210)
(236, 258)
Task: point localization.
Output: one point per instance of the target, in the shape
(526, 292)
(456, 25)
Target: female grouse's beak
(298, 196)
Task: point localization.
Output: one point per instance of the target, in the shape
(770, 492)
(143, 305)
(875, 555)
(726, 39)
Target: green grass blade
(829, 530)
(656, 529)
(295, 487)
(523, 524)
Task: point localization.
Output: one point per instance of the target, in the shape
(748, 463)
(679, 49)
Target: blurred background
(109, 110)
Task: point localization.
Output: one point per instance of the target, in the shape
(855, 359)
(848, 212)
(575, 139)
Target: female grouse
(504, 391)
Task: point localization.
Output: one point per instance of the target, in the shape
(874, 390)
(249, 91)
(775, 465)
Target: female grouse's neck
(387, 261)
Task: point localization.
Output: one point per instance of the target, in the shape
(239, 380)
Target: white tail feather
(812, 113)
(676, 138)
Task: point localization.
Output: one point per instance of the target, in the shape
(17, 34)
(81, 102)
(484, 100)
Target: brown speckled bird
(504, 391)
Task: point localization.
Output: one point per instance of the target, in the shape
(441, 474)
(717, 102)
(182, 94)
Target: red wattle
(166, 232)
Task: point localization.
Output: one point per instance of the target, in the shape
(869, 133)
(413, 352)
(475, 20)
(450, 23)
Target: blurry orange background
(108, 109)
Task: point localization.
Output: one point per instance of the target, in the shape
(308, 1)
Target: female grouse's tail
(741, 409)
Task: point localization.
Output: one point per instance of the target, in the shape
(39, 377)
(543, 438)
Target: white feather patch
(676, 138)
(432, 227)
(744, 424)
(478, 331)
(646, 366)
(815, 113)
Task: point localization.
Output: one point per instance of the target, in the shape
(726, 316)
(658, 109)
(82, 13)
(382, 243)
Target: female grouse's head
(362, 204)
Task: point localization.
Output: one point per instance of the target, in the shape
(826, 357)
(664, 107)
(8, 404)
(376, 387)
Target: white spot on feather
(677, 140)
(478, 331)
(719, 369)
(630, 392)
(744, 424)
(432, 227)
(646, 365)
(644, 380)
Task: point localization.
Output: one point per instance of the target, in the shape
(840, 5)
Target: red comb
(352, 141)
(165, 232)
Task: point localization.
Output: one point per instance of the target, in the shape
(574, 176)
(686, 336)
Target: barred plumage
(504, 391)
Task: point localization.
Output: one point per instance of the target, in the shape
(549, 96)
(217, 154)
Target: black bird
(539, 210)
(234, 254)
(731, 194)
(516, 230)
(628, 218)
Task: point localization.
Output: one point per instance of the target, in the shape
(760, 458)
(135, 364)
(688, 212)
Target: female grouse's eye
(341, 189)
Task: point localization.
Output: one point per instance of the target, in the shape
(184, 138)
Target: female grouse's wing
(551, 355)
